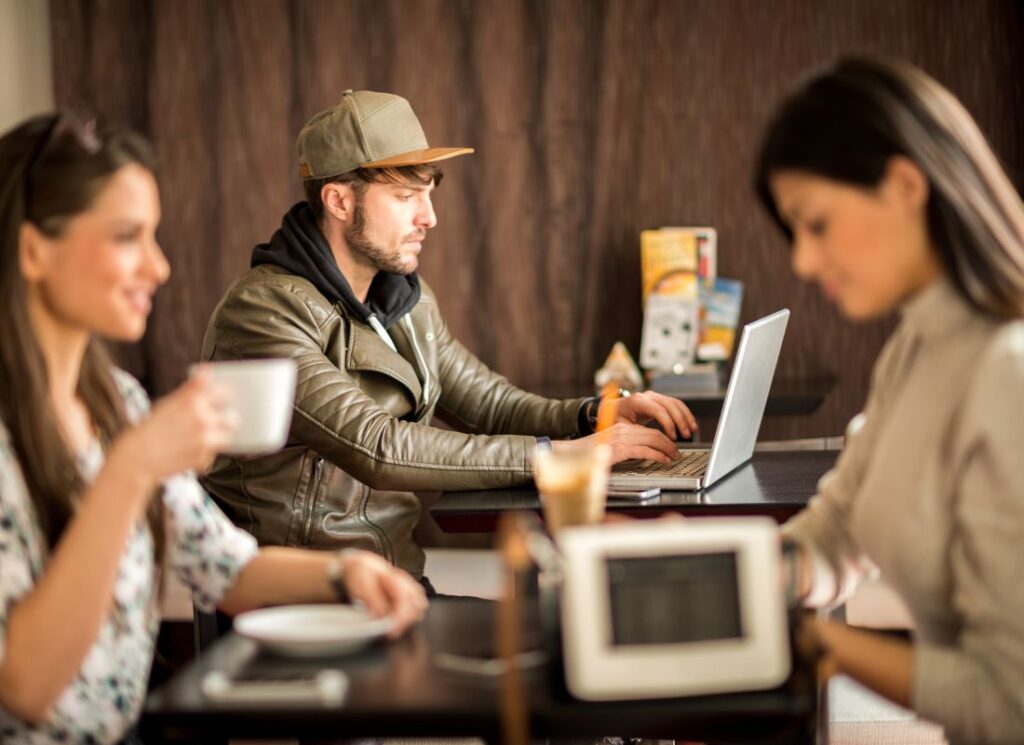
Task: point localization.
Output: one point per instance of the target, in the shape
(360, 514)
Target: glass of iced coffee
(572, 485)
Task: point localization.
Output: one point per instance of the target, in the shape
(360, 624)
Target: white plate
(312, 630)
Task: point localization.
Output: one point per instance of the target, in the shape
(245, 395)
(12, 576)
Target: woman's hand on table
(880, 662)
(384, 589)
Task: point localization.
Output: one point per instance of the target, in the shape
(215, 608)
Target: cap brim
(419, 157)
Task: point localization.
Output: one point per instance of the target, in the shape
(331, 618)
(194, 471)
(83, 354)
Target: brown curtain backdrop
(592, 121)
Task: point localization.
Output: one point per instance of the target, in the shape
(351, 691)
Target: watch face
(674, 599)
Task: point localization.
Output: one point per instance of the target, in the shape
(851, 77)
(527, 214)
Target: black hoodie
(299, 247)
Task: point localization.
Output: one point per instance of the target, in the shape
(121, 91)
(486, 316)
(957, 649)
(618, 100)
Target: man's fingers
(680, 413)
(671, 414)
(653, 409)
(683, 411)
(647, 453)
(660, 442)
(635, 441)
(640, 451)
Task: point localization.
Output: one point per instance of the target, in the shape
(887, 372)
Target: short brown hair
(360, 178)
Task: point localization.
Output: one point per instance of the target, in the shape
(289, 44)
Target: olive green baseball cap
(366, 130)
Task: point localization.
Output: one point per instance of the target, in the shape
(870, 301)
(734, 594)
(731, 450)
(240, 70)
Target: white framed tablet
(654, 609)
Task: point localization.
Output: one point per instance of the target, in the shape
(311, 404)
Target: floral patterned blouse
(203, 549)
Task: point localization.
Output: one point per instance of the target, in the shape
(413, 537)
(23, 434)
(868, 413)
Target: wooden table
(776, 484)
(405, 689)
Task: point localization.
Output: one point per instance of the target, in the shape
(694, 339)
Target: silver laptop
(738, 425)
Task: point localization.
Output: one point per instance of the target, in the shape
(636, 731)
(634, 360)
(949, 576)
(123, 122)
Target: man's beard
(373, 253)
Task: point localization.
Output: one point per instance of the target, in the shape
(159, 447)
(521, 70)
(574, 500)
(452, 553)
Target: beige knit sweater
(930, 491)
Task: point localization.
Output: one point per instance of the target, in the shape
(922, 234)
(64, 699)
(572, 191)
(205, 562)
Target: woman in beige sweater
(893, 201)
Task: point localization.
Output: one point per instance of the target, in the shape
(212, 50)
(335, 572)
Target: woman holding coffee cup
(97, 493)
(893, 201)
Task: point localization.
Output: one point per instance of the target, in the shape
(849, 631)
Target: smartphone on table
(276, 685)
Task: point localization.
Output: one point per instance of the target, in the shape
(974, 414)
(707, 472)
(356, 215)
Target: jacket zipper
(307, 528)
(420, 360)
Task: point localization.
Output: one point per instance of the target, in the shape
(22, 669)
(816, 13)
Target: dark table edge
(486, 521)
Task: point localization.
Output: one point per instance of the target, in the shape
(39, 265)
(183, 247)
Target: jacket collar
(368, 352)
(299, 247)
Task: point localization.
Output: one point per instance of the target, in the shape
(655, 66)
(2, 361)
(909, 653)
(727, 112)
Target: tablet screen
(675, 599)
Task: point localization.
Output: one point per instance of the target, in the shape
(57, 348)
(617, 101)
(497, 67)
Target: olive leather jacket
(360, 441)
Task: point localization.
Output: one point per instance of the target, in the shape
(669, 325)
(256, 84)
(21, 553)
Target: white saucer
(312, 630)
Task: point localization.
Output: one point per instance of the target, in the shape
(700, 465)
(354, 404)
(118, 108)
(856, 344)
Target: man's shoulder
(276, 286)
(273, 278)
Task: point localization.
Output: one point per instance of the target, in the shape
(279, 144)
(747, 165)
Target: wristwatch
(588, 412)
(336, 574)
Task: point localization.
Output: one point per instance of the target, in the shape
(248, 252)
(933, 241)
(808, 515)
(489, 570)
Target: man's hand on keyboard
(672, 415)
(628, 441)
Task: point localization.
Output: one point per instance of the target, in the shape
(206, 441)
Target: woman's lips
(140, 300)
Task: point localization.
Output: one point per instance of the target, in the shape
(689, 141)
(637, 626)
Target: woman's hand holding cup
(184, 432)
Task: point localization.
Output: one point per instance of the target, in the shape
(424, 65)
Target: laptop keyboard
(693, 463)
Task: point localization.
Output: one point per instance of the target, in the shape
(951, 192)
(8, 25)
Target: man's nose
(425, 216)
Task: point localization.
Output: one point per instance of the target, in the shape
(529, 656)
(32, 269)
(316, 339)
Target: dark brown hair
(845, 123)
(360, 178)
(51, 169)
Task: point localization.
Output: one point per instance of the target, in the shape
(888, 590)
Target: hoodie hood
(299, 247)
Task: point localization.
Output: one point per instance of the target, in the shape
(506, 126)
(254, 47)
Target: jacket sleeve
(823, 527)
(334, 417)
(486, 400)
(976, 686)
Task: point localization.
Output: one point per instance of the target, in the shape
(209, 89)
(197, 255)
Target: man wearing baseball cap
(336, 290)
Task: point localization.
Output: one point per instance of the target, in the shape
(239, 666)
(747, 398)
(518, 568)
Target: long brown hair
(844, 124)
(51, 169)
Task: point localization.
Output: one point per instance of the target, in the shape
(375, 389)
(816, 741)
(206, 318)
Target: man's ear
(907, 183)
(35, 252)
(339, 201)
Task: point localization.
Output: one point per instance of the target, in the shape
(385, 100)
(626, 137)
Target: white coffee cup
(261, 393)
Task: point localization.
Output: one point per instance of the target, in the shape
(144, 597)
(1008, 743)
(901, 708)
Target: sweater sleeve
(823, 528)
(976, 686)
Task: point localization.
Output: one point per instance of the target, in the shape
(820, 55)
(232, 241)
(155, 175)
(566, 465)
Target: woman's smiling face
(100, 272)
